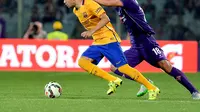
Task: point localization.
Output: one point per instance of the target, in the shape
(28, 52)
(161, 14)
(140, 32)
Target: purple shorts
(145, 48)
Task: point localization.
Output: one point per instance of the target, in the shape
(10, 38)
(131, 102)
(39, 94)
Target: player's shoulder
(130, 3)
(90, 2)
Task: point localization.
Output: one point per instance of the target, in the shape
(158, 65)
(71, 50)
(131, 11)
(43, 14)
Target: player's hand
(87, 34)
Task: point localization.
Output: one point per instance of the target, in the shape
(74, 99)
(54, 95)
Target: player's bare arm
(104, 20)
(28, 31)
(110, 2)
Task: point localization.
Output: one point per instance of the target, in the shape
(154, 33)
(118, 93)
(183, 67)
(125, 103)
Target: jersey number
(156, 51)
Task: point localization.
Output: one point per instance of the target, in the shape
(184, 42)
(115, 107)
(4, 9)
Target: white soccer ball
(53, 90)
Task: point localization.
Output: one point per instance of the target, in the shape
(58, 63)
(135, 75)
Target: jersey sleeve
(133, 4)
(96, 9)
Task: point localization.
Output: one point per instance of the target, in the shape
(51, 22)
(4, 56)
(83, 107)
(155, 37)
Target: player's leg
(154, 55)
(166, 66)
(88, 62)
(115, 55)
(133, 58)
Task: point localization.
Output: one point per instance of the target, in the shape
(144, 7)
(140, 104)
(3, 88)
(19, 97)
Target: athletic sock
(182, 79)
(137, 76)
(93, 69)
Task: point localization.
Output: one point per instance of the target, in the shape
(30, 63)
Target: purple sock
(121, 74)
(181, 78)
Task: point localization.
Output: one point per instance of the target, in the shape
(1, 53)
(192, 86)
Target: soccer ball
(53, 90)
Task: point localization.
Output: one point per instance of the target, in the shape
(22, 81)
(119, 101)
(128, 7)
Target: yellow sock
(93, 69)
(136, 75)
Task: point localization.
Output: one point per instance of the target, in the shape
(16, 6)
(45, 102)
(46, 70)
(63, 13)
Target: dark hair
(34, 31)
(35, 28)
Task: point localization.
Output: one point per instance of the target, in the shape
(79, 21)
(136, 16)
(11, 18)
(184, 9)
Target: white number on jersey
(156, 51)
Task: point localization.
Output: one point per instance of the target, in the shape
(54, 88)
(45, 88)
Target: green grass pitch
(24, 92)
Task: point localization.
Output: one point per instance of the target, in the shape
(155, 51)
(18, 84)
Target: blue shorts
(111, 51)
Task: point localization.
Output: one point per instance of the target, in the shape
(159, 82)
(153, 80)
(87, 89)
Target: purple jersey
(132, 16)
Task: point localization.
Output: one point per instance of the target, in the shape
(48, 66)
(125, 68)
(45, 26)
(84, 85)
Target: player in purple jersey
(144, 45)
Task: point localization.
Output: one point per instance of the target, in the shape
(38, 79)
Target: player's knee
(113, 68)
(83, 61)
(124, 68)
(165, 65)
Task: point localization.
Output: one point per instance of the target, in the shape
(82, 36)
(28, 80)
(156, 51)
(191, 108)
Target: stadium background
(171, 19)
(176, 23)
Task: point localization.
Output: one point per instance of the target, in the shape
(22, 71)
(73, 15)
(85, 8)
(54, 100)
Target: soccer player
(144, 45)
(106, 43)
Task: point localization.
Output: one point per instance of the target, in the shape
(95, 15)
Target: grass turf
(24, 92)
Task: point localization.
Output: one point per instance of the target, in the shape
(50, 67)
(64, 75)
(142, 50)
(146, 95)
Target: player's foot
(143, 90)
(196, 96)
(113, 85)
(153, 94)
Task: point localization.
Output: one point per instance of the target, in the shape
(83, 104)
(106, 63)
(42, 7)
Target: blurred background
(171, 19)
